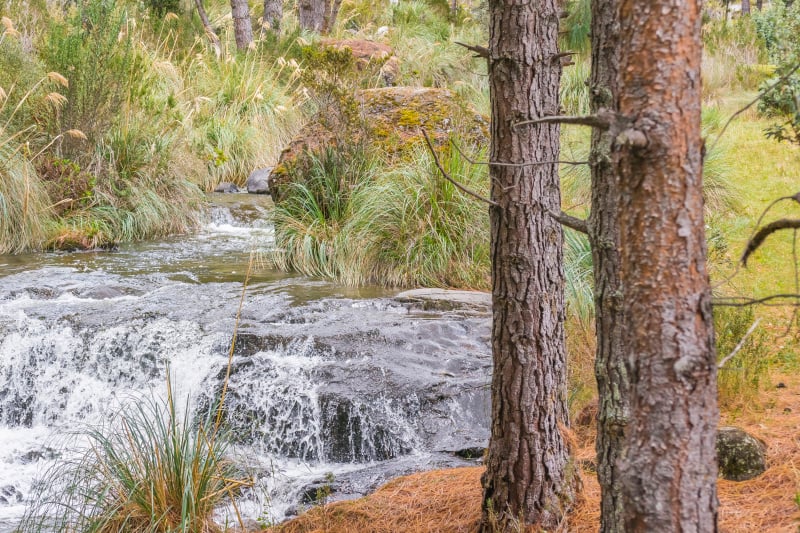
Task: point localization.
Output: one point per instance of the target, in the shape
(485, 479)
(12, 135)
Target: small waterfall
(362, 388)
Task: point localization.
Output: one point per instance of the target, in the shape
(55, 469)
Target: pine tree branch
(480, 51)
(447, 176)
(761, 235)
(602, 120)
(500, 164)
(570, 221)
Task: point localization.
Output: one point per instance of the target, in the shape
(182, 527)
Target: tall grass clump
(151, 470)
(313, 223)
(425, 231)
(24, 206)
(741, 377)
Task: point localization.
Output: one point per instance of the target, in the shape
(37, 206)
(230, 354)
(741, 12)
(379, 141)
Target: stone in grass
(226, 187)
(740, 455)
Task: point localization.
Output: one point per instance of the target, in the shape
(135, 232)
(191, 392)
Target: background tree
(745, 7)
(613, 381)
(669, 469)
(526, 470)
(242, 27)
(318, 15)
(273, 13)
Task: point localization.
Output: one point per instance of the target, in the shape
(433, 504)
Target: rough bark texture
(273, 13)
(669, 468)
(242, 27)
(613, 382)
(331, 12)
(311, 14)
(527, 476)
(745, 7)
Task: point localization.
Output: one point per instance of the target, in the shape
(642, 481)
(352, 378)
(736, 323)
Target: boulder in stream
(226, 187)
(258, 181)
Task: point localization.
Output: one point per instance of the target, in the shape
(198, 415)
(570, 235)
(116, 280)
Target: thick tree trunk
(311, 14)
(273, 13)
(745, 7)
(613, 381)
(242, 27)
(526, 471)
(669, 469)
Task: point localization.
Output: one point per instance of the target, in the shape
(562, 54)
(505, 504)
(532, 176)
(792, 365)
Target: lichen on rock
(740, 455)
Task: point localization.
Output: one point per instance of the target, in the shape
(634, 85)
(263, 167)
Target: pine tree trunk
(242, 27)
(759, 4)
(526, 471)
(331, 12)
(212, 35)
(613, 381)
(745, 7)
(273, 13)
(669, 468)
(311, 14)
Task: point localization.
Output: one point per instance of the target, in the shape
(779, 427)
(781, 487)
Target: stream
(329, 385)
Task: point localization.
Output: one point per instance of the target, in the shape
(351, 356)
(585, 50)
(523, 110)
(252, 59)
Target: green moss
(408, 117)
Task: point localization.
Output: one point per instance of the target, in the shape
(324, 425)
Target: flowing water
(328, 383)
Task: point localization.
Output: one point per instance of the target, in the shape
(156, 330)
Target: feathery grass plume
(58, 78)
(153, 469)
(76, 134)
(56, 99)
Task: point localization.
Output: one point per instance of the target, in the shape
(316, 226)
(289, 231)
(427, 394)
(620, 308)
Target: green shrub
(152, 470)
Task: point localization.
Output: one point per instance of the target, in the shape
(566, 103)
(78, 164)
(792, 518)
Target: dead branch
(447, 176)
(743, 301)
(480, 51)
(499, 164)
(758, 239)
(570, 221)
(602, 120)
(740, 345)
(753, 102)
(560, 55)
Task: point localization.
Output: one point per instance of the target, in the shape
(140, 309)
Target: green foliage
(575, 29)
(575, 88)
(741, 376)
(152, 470)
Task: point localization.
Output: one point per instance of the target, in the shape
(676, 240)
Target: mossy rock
(393, 119)
(369, 54)
(740, 455)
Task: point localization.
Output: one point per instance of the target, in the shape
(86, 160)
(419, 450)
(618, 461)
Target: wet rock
(10, 495)
(226, 187)
(740, 456)
(102, 293)
(446, 300)
(393, 117)
(258, 181)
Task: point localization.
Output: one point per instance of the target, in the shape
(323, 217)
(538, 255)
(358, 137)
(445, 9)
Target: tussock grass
(151, 470)
(24, 205)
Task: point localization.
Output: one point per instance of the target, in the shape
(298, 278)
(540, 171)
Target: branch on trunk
(760, 236)
(740, 345)
(519, 165)
(743, 301)
(210, 33)
(447, 176)
(783, 79)
(480, 51)
(603, 120)
(557, 57)
(570, 221)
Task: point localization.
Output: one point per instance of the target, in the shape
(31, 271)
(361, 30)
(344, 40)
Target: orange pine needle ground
(448, 501)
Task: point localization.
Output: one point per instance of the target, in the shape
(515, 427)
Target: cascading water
(324, 379)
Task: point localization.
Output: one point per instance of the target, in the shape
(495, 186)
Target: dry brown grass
(448, 501)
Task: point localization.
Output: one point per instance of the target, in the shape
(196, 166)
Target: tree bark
(745, 7)
(331, 12)
(212, 35)
(759, 4)
(273, 13)
(611, 372)
(526, 474)
(311, 14)
(242, 27)
(669, 468)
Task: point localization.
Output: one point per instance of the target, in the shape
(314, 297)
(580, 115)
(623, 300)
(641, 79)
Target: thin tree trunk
(613, 381)
(745, 7)
(311, 14)
(759, 4)
(331, 12)
(242, 27)
(212, 35)
(669, 468)
(526, 474)
(273, 13)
